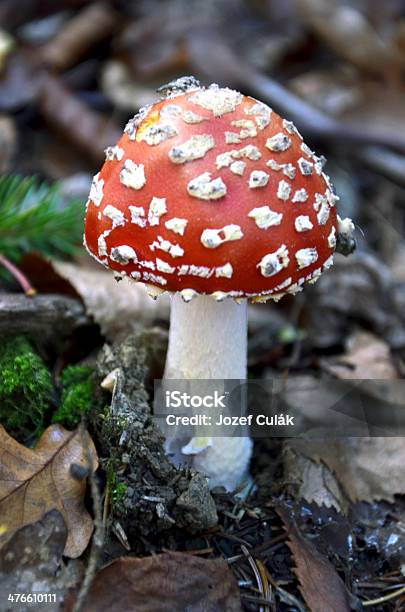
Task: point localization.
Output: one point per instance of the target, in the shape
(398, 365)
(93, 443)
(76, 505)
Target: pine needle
(34, 217)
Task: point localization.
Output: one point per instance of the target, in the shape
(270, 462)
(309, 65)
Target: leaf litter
(169, 581)
(350, 325)
(31, 561)
(33, 481)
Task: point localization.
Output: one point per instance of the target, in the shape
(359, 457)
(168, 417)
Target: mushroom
(213, 197)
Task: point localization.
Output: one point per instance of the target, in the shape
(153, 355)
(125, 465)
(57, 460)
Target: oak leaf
(94, 287)
(170, 581)
(367, 469)
(366, 357)
(320, 585)
(34, 481)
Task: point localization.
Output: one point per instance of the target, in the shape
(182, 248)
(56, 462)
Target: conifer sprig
(34, 217)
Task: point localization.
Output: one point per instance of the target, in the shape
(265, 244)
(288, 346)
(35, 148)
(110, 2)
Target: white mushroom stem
(208, 340)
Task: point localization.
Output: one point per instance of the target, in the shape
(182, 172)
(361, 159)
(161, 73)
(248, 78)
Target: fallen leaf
(367, 469)
(170, 581)
(321, 587)
(30, 561)
(357, 288)
(119, 308)
(44, 276)
(34, 481)
(311, 480)
(130, 308)
(366, 357)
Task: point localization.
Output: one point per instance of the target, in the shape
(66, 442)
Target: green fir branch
(34, 217)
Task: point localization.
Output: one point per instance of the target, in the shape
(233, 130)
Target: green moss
(25, 386)
(118, 493)
(77, 395)
(117, 489)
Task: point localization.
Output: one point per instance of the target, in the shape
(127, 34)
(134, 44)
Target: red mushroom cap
(210, 191)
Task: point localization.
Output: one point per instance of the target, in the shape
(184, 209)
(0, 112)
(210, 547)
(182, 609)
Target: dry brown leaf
(30, 561)
(311, 480)
(358, 288)
(118, 308)
(321, 587)
(170, 581)
(44, 276)
(366, 357)
(345, 456)
(368, 469)
(34, 481)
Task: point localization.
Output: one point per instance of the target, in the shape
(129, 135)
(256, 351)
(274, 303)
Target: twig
(195, 552)
(106, 505)
(270, 543)
(315, 121)
(201, 551)
(43, 316)
(216, 59)
(232, 538)
(381, 600)
(75, 120)
(19, 276)
(386, 162)
(82, 32)
(98, 536)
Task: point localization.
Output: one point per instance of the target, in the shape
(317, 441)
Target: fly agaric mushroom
(210, 195)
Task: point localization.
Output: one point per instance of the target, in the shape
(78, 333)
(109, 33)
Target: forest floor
(323, 527)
